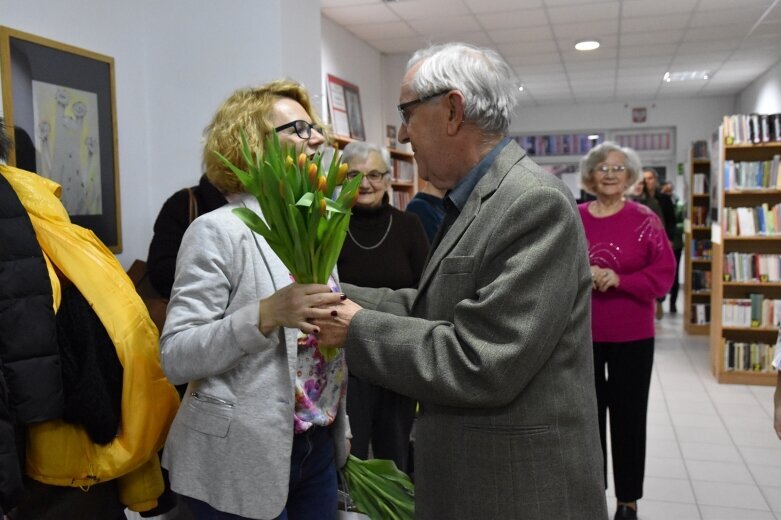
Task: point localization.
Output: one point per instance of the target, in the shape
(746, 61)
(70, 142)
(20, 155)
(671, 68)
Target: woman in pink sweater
(632, 264)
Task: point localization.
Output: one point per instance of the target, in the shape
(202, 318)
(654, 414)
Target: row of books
(560, 144)
(400, 199)
(754, 311)
(748, 357)
(700, 150)
(701, 280)
(752, 174)
(700, 183)
(750, 222)
(646, 141)
(701, 313)
(700, 216)
(403, 170)
(701, 248)
(751, 128)
(748, 267)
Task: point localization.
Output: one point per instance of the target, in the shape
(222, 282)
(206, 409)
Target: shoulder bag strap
(193, 205)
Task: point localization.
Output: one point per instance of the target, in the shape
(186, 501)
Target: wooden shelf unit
(722, 289)
(699, 231)
(404, 173)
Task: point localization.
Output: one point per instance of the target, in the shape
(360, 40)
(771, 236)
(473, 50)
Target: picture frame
(390, 136)
(60, 102)
(344, 102)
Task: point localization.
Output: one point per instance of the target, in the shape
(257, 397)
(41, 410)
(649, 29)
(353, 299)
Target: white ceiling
(736, 40)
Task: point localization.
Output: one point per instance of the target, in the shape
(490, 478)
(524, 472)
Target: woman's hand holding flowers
(297, 306)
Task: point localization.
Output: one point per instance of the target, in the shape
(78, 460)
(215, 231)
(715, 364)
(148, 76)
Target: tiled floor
(712, 452)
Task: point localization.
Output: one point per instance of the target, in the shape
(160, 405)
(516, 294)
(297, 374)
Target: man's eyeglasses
(303, 128)
(404, 107)
(374, 177)
(615, 168)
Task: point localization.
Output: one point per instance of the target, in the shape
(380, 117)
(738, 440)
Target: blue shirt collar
(460, 193)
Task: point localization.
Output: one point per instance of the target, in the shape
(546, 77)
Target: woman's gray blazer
(230, 446)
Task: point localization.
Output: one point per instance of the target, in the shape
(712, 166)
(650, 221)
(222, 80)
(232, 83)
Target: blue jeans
(312, 492)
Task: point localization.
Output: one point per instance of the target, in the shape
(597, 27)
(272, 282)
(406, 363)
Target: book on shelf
(701, 313)
(701, 280)
(701, 248)
(751, 128)
(752, 267)
(748, 356)
(756, 311)
(761, 220)
(403, 171)
(400, 199)
(700, 183)
(753, 174)
(700, 150)
(700, 216)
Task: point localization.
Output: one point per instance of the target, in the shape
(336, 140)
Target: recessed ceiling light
(587, 45)
(521, 87)
(687, 75)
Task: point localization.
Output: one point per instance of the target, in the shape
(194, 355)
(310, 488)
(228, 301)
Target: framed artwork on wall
(60, 102)
(344, 101)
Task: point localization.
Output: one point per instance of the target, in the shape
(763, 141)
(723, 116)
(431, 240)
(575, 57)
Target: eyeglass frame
(408, 104)
(610, 168)
(368, 176)
(295, 124)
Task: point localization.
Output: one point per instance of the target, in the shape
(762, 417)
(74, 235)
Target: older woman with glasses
(632, 264)
(262, 426)
(385, 247)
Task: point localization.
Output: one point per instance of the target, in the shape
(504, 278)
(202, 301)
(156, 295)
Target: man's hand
(333, 330)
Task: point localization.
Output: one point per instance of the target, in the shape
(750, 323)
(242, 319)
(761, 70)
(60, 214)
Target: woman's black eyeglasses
(303, 128)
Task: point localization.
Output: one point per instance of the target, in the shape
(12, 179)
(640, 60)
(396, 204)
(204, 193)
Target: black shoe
(625, 512)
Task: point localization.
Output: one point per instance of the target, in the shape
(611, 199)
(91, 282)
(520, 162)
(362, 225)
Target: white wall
(350, 59)
(763, 96)
(174, 64)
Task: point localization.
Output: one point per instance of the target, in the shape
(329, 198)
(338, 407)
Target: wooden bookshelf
(697, 230)
(404, 173)
(722, 288)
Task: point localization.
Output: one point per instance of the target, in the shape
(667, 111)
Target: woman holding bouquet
(385, 247)
(262, 427)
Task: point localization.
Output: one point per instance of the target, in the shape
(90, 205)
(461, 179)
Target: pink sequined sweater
(633, 243)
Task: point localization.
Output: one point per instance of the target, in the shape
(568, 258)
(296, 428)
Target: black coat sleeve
(668, 213)
(169, 229)
(10, 473)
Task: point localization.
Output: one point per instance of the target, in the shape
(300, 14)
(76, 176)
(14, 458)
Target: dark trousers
(674, 288)
(381, 418)
(312, 494)
(623, 377)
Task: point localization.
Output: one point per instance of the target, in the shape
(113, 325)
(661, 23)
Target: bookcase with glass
(404, 175)
(746, 261)
(697, 244)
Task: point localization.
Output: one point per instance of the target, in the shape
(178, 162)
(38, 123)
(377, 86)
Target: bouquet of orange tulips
(302, 221)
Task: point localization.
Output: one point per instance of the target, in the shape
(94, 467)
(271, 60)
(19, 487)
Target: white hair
(480, 74)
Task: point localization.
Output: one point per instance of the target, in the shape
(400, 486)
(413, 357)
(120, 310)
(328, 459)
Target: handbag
(139, 275)
(345, 507)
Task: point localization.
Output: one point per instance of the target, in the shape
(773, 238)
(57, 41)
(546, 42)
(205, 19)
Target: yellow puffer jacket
(62, 454)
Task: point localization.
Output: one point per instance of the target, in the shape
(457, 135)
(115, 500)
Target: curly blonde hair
(250, 110)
